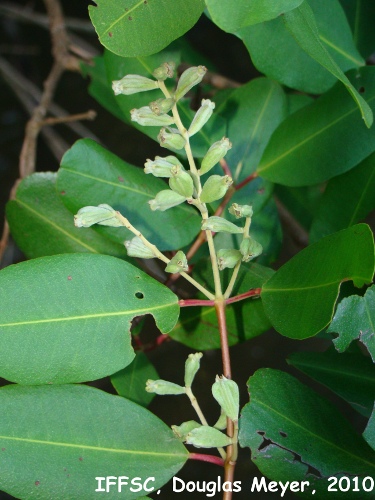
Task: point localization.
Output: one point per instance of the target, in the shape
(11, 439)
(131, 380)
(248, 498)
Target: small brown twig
(88, 115)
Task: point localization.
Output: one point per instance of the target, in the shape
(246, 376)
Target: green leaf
(253, 112)
(198, 327)
(231, 17)
(91, 175)
(141, 27)
(350, 375)
(66, 318)
(117, 67)
(355, 319)
(302, 24)
(369, 434)
(294, 434)
(57, 440)
(300, 297)
(347, 199)
(361, 17)
(41, 225)
(276, 53)
(131, 381)
(303, 149)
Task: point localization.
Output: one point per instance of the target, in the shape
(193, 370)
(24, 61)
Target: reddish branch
(254, 292)
(207, 458)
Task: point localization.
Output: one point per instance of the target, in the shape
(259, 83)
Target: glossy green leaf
(300, 297)
(361, 17)
(41, 225)
(355, 319)
(91, 175)
(131, 381)
(302, 24)
(294, 434)
(198, 327)
(117, 67)
(231, 16)
(350, 375)
(369, 433)
(276, 53)
(347, 199)
(71, 319)
(75, 434)
(253, 113)
(141, 27)
(304, 148)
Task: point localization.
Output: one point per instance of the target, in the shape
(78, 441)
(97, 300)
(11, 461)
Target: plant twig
(207, 458)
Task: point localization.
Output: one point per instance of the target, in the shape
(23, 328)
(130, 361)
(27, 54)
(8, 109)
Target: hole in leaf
(361, 90)
(283, 434)
(139, 295)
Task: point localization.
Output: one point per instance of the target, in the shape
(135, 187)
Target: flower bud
(207, 437)
(220, 225)
(226, 393)
(215, 188)
(172, 139)
(166, 199)
(192, 366)
(201, 116)
(178, 263)
(132, 84)
(136, 248)
(164, 387)
(228, 258)
(144, 116)
(166, 70)
(102, 214)
(189, 78)
(250, 249)
(222, 421)
(241, 210)
(216, 152)
(181, 431)
(161, 106)
(161, 167)
(181, 182)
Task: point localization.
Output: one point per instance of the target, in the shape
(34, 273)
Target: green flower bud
(215, 188)
(220, 225)
(144, 116)
(207, 437)
(102, 214)
(189, 78)
(192, 366)
(164, 387)
(241, 210)
(181, 182)
(216, 152)
(172, 139)
(136, 248)
(222, 421)
(226, 393)
(132, 84)
(166, 70)
(162, 106)
(161, 167)
(166, 199)
(181, 431)
(201, 116)
(228, 258)
(250, 249)
(178, 263)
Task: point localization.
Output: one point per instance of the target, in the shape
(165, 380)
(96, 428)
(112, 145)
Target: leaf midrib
(298, 289)
(126, 13)
(145, 310)
(94, 448)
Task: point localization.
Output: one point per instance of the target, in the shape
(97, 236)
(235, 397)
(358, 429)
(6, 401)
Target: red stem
(198, 302)
(243, 296)
(207, 458)
(246, 181)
